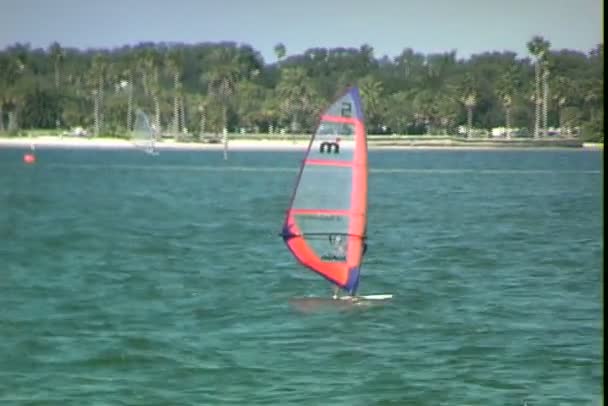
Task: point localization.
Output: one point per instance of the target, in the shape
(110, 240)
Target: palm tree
(270, 111)
(371, 93)
(506, 87)
(11, 96)
(545, 75)
(410, 64)
(468, 92)
(563, 88)
(75, 107)
(446, 109)
(280, 51)
(424, 109)
(507, 102)
(130, 66)
(57, 55)
(202, 109)
(470, 101)
(182, 108)
(141, 63)
(296, 93)
(9, 73)
(222, 82)
(97, 77)
(400, 111)
(174, 62)
(249, 103)
(366, 56)
(13, 102)
(538, 47)
(75, 81)
(593, 99)
(150, 66)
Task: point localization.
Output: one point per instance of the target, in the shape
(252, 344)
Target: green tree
(174, 63)
(280, 51)
(150, 65)
(562, 94)
(298, 97)
(57, 55)
(129, 67)
(250, 97)
(222, 80)
(447, 111)
(538, 47)
(399, 111)
(19, 81)
(546, 71)
(418, 91)
(470, 101)
(9, 73)
(96, 82)
(201, 104)
(371, 94)
(506, 88)
(41, 108)
(424, 107)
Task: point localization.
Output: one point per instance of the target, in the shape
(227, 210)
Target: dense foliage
(204, 87)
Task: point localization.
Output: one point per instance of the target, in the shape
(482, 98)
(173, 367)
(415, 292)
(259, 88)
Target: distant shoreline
(290, 145)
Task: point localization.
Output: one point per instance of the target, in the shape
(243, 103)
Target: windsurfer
(337, 242)
(338, 245)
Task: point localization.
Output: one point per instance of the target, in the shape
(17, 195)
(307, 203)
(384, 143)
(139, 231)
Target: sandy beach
(279, 145)
(115, 143)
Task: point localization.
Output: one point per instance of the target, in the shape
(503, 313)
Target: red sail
(325, 224)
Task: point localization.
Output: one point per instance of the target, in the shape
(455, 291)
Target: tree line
(189, 90)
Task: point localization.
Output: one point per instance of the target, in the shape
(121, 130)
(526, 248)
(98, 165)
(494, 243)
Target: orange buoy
(29, 158)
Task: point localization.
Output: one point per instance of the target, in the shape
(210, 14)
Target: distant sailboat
(143, 136)
(326, 221)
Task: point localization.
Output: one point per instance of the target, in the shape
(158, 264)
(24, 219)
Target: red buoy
(29, 158)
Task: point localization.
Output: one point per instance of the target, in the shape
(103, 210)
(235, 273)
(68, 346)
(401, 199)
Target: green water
(128, 279)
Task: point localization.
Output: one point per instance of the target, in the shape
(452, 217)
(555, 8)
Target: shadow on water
(317, 304)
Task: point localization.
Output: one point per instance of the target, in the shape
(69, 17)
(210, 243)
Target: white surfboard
(367, 298)
(385, 296)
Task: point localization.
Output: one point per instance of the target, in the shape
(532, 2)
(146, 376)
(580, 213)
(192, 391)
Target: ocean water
(128, 279)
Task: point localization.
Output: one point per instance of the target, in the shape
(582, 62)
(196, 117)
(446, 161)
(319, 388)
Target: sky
(389, 26)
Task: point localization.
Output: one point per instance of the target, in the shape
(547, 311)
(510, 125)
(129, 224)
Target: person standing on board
(336, 241)
(336, 291)
(339, 252)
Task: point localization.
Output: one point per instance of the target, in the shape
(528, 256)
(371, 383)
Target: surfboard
(385, 296)
(326, 220)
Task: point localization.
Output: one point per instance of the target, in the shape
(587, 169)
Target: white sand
(112, 143)
(248, 145)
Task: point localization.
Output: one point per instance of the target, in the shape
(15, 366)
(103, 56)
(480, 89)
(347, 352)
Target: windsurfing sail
(326, 220)
(142, 135)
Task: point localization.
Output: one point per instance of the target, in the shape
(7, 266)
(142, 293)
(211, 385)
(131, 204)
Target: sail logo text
(329, 146)
(333, 257)
(347, 109)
